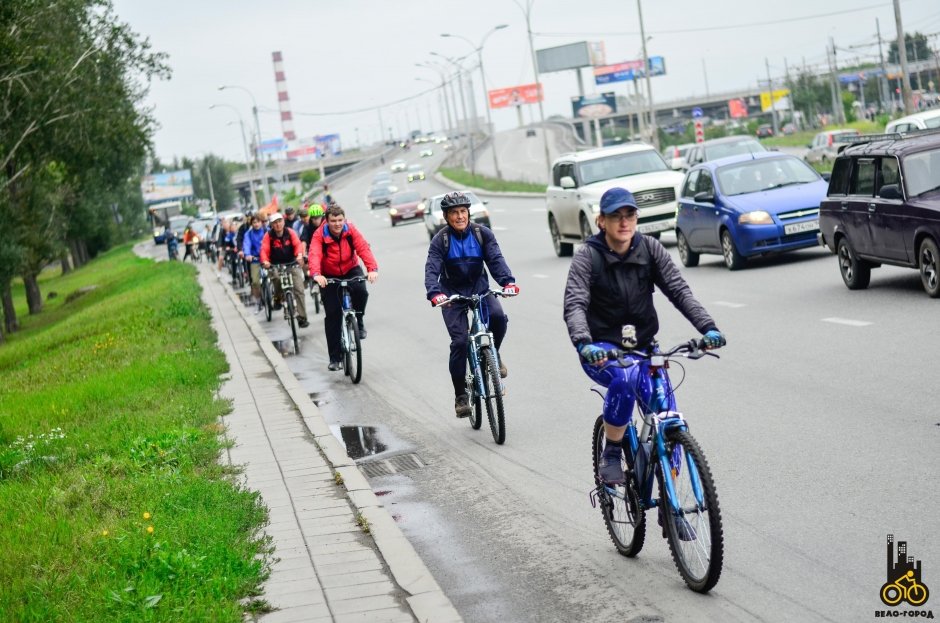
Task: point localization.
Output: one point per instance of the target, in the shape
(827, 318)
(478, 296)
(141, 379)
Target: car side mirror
(826, 176)
(890, 191)
(704, 197)
(486, 202)
(566, 182)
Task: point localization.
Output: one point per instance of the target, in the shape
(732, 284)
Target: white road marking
(727, 304)
(848, 322)
(539, 276)
(500, 228)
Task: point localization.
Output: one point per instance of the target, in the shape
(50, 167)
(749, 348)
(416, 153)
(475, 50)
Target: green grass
(802, 139)
(108, 411)
(465, 178)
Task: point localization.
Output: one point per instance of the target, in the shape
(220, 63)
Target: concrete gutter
(426, 598)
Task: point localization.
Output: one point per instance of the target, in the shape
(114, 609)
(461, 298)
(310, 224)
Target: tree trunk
(64, 260)
(83, 249)
(73, 249)
(10, 322)
(33, 295)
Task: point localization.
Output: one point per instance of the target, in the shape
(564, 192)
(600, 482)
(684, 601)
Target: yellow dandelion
(146, 515)
(104, 533)
(149, 529)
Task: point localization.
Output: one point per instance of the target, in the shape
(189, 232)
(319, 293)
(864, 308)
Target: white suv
(579, 179)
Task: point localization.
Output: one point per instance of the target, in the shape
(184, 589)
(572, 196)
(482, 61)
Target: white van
(927, 120)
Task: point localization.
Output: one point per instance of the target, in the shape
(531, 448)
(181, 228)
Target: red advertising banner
(737, 108)
(515, 96)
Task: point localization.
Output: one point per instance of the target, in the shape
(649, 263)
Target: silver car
(825, 145)
(434, 216)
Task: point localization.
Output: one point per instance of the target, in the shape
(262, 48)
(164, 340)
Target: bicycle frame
(658, 411)
(348, 310)
(479, 337)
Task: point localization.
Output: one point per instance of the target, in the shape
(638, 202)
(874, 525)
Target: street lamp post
(654, 133)
(486, 104)
(440, 73)
(535, 74)
(251, 177)
(254, 111)
(439, 103)
(463, 105)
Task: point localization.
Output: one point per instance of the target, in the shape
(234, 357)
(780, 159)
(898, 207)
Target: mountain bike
(484, 386)
(266, 301)
(283, 272)
(240, 274)
(315, 295)
(350, 344)
(665, 451)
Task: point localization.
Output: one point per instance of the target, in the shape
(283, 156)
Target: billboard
(737, 108)
(571, 56)
(515, 96)
(590, 106)
(780, 98)
(159, 187)
(629, 70)
(272, 145)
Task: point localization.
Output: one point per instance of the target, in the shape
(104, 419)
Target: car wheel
(929, 260)
(393, 222)
(687, 256)
(733, 259)
(856, 273)
(585, 228)
(562, 249)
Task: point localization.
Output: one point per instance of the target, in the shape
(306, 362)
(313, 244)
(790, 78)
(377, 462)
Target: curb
(486, 193)
(426, 599)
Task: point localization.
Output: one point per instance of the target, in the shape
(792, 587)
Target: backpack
(477, 233)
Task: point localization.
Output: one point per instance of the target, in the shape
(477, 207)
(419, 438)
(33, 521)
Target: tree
(915, 45)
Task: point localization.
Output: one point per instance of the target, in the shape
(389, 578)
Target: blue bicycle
(665, 451)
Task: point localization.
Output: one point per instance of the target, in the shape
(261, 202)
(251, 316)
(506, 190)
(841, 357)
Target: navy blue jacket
(462, 270)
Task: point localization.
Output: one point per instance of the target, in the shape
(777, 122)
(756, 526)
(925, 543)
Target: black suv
(883, 207)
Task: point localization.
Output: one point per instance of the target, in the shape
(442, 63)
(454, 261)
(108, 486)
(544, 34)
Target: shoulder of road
(482, 191)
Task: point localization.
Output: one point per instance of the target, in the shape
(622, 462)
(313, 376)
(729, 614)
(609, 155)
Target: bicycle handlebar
(693, 349)
(330, 280)
(460, 298)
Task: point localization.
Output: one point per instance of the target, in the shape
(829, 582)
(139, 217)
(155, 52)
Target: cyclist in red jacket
(281, 246)
(334, 252)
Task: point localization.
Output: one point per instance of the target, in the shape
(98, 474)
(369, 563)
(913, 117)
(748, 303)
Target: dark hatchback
(883, 207)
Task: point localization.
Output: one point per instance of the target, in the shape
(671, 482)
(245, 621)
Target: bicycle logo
(906, 584)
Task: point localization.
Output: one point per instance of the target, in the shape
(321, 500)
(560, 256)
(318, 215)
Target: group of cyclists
(608, 293)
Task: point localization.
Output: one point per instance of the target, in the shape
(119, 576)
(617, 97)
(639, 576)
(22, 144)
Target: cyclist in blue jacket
(251, 247)
(455, 265)
(610, 286)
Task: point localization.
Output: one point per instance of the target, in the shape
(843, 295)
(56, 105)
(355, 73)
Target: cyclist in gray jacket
(610, 285)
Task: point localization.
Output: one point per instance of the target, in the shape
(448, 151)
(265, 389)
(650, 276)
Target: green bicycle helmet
(315, 210)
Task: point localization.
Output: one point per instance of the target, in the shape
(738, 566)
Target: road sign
(697, 113)
(699, 132)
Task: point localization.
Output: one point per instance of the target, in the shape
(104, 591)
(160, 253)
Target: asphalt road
(817, 423)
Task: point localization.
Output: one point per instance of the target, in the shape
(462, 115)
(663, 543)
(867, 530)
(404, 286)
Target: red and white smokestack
(287, 120)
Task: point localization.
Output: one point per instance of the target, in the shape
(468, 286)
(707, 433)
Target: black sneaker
(610, 470)
(362, 331)
(503, 372)
(302, 322)
(334, 366)
(462, 406)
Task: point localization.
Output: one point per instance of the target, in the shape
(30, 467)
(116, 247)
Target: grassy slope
(118, 390)
(465, 178)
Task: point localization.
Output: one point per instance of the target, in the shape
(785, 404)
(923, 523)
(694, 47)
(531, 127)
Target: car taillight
(829, 141)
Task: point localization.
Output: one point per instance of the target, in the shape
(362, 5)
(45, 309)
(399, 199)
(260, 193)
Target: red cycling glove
(438, 299)
(510, 289)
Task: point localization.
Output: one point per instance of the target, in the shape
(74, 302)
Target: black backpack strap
(597, 263)
(445, 239)
(479, 235)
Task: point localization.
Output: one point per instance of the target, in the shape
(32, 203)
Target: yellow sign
(778, 95)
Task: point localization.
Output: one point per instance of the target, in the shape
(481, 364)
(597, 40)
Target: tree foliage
(74, 132)
(915, 45)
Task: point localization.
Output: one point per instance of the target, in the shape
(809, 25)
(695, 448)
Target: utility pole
(705, 75)
(205, 163)
(834, 90)
(654, 133)
(773, 106)
(885, 97)
(902, 55)
(535, 74)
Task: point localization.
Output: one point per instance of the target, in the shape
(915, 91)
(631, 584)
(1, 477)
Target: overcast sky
(345, 55)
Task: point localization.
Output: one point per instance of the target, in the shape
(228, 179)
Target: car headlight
(392, 212)
(757, 217)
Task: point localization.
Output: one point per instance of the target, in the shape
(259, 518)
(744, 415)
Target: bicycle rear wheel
(624, 515)
(291, 317)
(354, 355)
(494, 394)
(695, 535)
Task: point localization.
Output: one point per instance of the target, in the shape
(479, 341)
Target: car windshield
(765, 174)
(933, 122)
(922, 172)
(380, 191)
(411, 197)
(621, 165)
(723, 150)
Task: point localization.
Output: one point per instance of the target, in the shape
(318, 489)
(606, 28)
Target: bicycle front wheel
(354, 354)
(695, 534)
(622, 511)
(315, 294)
(267, 299)
(291, 317)
(494, 395)
(476, 403)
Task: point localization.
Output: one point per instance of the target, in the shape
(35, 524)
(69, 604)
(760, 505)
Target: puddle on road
(361, 441)
(285, 347)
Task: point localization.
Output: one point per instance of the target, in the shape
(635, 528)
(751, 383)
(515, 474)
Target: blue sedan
(748, 205)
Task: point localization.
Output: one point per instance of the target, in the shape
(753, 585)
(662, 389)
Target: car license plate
(798, 228)
(655, 226)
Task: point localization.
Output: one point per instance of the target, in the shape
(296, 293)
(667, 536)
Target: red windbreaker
(332, 257)
(276, 251)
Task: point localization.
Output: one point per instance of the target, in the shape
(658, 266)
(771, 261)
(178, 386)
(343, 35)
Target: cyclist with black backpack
(609, 305)
(457, 260)
(335, 251)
